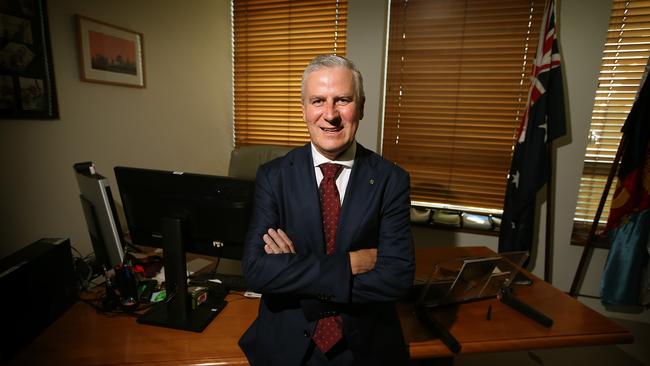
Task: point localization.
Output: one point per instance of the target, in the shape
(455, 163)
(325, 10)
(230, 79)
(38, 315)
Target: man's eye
(343, 101)
(316, 102)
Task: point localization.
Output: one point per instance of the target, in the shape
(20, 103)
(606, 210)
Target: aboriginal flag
(543, 122)
(628, 224)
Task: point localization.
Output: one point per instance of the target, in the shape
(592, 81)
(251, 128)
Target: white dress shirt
(346, 159)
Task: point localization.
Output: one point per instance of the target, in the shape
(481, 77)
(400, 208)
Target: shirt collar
(346, 159)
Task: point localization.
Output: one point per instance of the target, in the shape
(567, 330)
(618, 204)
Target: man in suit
(329, 246)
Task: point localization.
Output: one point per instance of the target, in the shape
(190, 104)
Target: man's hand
(277, 242)
(363, 260)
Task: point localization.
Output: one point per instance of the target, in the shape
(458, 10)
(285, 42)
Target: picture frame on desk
(109, 54)
(27, 87)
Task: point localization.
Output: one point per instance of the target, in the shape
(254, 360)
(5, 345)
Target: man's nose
(331, 113)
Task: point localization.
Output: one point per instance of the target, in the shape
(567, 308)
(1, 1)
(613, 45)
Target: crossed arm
(378, 267)
(277, 242)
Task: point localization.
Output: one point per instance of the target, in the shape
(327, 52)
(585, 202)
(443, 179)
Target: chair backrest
(245, 160)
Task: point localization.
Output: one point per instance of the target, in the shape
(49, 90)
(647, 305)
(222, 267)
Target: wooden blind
(273, 43)
(624, 60)
(457, 84)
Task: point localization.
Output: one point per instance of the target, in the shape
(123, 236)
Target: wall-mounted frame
(27, 88)
(109, 54)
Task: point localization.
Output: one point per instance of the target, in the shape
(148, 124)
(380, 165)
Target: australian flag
(542, 122)
(628, 224)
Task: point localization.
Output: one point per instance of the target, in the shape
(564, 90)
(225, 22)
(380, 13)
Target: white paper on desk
(192, 266)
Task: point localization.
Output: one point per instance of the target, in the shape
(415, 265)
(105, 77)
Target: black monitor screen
(215, 210)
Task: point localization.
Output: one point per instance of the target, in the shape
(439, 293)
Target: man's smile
(332, 129)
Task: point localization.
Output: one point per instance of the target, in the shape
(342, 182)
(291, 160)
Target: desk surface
(574, 324)
(82, 336)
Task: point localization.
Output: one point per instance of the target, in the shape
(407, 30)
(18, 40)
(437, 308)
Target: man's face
(331, 110)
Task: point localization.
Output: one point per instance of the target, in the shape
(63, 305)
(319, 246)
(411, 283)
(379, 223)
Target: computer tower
(37, 285)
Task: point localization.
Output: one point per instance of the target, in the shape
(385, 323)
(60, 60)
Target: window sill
(456, 229)
(455, 220)
(581, 232)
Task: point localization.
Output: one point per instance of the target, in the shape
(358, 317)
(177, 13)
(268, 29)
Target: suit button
(306, 334)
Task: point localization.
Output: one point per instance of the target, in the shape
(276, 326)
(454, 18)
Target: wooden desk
(83, 337)
(574, 323)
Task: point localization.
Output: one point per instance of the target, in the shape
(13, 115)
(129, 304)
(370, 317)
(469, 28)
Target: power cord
(83, 269)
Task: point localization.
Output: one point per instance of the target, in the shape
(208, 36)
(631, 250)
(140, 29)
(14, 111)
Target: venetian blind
(457, 84)
(624, 60)
(273, 43)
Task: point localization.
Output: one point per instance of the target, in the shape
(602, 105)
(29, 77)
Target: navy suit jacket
(298, 289)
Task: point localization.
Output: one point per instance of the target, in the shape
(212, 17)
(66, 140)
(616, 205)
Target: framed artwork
(109, 54)
(27, 88)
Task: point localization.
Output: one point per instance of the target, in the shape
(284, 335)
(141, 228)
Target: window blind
(457, 83)
(624, 60)
(273, 41)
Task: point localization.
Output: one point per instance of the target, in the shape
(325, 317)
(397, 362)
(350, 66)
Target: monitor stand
(176, 310)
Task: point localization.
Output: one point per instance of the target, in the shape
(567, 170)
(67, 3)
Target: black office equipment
(184, 212)
(37, 284)
(101, 216)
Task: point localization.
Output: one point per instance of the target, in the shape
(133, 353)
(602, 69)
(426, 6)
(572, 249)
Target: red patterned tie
(329, 330)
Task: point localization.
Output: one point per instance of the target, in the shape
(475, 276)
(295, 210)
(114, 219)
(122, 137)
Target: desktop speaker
(37, 285)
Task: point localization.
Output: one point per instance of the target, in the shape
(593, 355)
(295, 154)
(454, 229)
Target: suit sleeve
(324, 277)
(395, 268)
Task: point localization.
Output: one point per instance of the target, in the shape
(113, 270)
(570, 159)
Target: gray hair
(326, 61)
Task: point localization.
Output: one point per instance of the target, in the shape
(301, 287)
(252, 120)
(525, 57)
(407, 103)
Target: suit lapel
(304, 195)
(358, 195)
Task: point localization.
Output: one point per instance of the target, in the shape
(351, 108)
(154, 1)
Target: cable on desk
(83, 269)
(100, 305)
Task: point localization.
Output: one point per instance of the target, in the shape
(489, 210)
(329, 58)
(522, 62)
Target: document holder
(470, 278)
(465, 279)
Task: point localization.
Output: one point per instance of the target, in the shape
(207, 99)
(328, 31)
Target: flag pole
(588, 248)
(548, 248)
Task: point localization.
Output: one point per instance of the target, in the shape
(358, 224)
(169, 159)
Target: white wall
(367, 28)
(181, 121)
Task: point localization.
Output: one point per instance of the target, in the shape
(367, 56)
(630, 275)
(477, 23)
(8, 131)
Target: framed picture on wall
(109, 54)
(27, 88)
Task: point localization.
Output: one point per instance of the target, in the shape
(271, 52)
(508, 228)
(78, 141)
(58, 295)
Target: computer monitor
(101, 216)
(185, 213)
